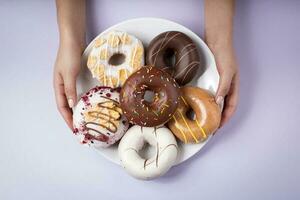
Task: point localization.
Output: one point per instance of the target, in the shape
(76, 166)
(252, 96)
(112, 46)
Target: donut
(177, 45)
(98, 119)
(114, 56)
(207, 116)
(155, 111)
(134, 140)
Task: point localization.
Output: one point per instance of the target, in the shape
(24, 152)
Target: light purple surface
(255, 156)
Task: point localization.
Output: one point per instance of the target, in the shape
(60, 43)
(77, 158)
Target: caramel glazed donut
(160, 108)
(177, 44)
(114, 56)
(207, 116)
(165, 151)
(98, 119)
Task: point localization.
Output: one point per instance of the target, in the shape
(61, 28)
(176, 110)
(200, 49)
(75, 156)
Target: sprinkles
(165, 94)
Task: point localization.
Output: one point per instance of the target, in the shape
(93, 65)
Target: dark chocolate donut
(145, 112)
(179, 45)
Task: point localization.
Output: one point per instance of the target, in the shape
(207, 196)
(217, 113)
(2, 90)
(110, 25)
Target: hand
(66, 69)
(228, 89)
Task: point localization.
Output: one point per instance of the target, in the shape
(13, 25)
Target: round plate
(146, 29)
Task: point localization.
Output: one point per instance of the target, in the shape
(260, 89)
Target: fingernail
(71, 103)
(219, 100)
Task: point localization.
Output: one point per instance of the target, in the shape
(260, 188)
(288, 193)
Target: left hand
(228, 90)
(67, 67)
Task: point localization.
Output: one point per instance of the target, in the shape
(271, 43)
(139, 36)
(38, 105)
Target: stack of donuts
(142, 104)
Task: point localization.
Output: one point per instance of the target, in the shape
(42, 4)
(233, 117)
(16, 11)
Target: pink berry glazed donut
(98, 119)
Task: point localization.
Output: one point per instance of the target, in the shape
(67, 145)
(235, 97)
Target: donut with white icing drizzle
(114, 56)
(166, 149)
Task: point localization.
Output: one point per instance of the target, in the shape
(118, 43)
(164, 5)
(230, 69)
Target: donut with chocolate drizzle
(160, 108)
(175, 53)
(151, 166)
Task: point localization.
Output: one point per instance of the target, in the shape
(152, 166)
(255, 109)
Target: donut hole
(190, 114)
(169, 57)
(147, 151)
(116, 59)
(149, 96)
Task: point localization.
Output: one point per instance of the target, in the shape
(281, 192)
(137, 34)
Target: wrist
(73, 44)
(220, 44)
(218, 38)
(218, 41)
(72, 39)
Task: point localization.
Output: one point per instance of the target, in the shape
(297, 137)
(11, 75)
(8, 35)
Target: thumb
(224, 86)
(70, 89)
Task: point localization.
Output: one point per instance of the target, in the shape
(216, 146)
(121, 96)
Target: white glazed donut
(98, 119)
(134, 140)
(105, 48)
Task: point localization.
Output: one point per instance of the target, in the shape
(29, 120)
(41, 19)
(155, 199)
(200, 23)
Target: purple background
(255, 156)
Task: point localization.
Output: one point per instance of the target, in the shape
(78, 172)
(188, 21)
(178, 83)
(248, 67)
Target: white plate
(146, 29)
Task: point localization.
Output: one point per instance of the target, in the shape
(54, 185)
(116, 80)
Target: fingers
(61, 100)
(224, 86)
(70, 89)
(231, 100)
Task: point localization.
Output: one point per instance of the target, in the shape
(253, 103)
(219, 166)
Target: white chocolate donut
(98, 119)
(134, 140)
(108, 45)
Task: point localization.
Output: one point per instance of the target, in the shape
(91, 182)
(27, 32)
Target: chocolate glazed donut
(173, 43)
(160, 108)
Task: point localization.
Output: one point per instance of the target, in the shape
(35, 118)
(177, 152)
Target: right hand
(228, 90)
(66, 70)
